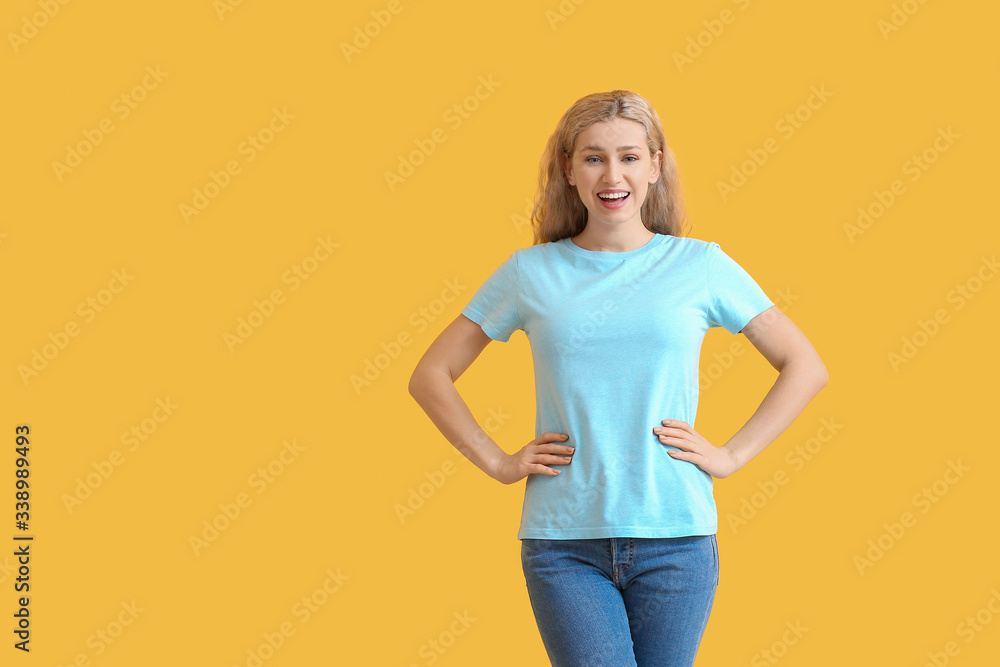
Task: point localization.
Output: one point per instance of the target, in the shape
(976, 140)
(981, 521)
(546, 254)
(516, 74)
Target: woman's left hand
(694, 448)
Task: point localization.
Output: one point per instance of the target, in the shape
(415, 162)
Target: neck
(618, 238)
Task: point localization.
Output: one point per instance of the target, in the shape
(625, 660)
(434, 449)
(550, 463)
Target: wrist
(734, 454)
(484, 453)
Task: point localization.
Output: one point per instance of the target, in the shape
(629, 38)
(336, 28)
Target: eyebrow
(600, 149)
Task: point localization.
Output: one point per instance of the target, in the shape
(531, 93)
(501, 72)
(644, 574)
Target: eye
(592, 157)
(631, 158)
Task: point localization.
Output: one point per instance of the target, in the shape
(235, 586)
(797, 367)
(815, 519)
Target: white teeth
(615, 195)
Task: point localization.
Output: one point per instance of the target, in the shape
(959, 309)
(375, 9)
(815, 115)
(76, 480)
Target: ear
(654, 167)
(567, 168)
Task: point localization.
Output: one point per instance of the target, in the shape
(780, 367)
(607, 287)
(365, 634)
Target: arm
(432, 385)
(801, 375)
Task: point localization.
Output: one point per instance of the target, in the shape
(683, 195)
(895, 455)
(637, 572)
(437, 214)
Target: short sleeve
(734, 298)
(494, 306)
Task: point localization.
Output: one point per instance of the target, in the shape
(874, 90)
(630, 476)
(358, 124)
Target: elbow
(421, 381)
(416, 384)
(822, 376)
(819, 373)
(809, 367)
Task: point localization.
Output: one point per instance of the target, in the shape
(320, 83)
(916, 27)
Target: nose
(611, 176)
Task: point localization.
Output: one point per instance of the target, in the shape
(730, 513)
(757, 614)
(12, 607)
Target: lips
(613, 202)
(605, 195)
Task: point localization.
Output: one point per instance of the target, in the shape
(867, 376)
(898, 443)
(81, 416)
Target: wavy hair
(558, 212)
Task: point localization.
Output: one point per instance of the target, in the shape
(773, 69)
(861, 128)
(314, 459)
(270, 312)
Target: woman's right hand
(548, 448)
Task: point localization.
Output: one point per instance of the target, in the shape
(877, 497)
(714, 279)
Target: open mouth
(613, 199)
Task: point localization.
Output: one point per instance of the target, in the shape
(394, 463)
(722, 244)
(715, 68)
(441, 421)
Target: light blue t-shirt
(616, 340)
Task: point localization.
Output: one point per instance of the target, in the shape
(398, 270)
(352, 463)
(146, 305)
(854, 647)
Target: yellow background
(334, 506)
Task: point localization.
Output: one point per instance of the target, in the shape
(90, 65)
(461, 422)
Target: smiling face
(611, 168)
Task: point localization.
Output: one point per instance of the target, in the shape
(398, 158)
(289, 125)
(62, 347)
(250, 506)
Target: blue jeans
(611, 602)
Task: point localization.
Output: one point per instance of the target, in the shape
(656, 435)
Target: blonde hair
(558, 212)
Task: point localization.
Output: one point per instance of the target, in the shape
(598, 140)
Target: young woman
(618, 528)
